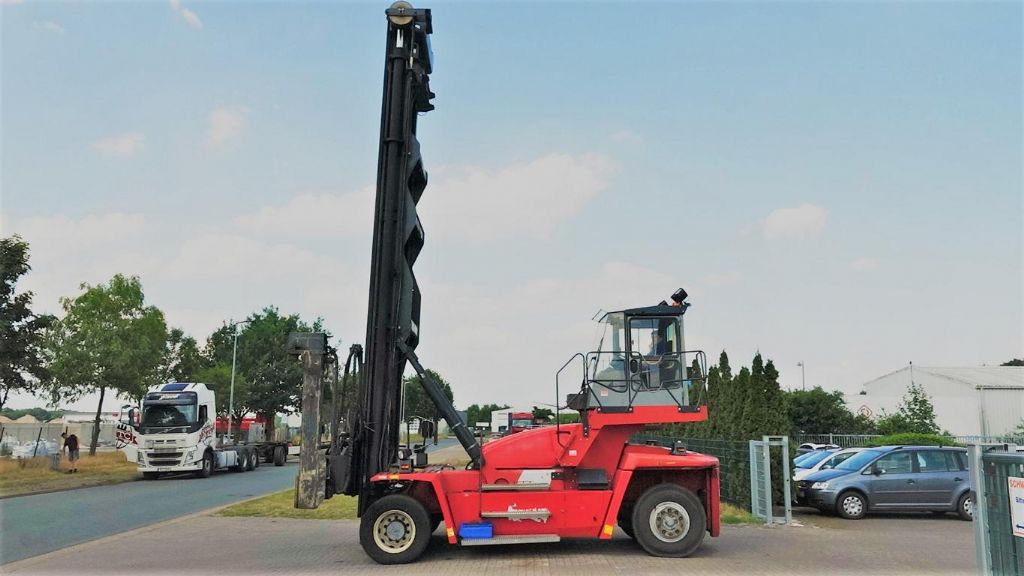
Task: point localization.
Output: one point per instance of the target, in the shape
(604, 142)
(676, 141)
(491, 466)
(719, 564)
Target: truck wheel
(150, 475)
(250, 460)
(207, 468)
(280, 455)
(669, 521)
(395, 530)
(240, 461)
(255, 458)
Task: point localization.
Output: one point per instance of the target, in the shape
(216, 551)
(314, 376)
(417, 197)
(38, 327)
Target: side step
(512, 539)
(538, 514)
(525, 486)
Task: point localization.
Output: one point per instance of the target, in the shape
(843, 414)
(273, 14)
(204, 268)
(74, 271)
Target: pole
(309, 486)
(231, 395)
(803, 377)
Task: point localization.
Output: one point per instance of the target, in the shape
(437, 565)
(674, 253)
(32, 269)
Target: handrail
(558, 423)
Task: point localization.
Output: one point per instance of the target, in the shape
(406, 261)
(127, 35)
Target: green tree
(267, 379)
(816, 411)
(914, 414)
(182, 360)
(21, 331)
(544, 414)
(41, 414)
(108, 339)
(1014, 362)
(417, 403)
(476, 413)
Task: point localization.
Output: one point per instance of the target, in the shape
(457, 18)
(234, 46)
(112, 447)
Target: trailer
(173, 431)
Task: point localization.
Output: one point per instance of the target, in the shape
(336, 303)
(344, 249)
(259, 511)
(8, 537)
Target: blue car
(892, 478)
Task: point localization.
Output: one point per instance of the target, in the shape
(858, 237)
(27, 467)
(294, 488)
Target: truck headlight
(189, 455)
(819, 486)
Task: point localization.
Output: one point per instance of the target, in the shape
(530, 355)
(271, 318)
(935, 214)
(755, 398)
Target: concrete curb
(27, 562)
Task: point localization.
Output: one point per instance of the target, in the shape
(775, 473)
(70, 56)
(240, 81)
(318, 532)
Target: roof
(1010, 377)
(653, 311)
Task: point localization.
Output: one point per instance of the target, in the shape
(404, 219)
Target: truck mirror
(634, 366)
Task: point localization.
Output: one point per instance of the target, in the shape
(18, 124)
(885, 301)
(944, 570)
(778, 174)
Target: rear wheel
(395, 530)
(965, 506)
(250, 460)
(669, 520)
(280, 455)
(240, 461)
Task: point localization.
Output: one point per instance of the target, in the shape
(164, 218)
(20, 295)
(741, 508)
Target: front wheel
(395, 530)
(965, 507)
(207, 468)
(669, 521)
(851, 505)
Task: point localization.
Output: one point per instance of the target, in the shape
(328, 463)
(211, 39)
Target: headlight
(819, 486)
(191, 453)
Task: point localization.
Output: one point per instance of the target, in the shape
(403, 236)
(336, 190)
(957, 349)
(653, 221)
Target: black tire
(395, 530)
(250, 460)
(207, 468)
(625, 521)
(150, 475)
(851, 505)
(255, 458)
(280, 455)
(965, 507)
(241, 459)
(669, 521)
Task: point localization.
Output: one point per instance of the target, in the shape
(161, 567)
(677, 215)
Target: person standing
(71, 445)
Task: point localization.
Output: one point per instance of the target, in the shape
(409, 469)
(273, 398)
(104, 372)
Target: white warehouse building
(972, 401)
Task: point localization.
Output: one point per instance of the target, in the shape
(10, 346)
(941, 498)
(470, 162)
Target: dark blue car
(892, 478)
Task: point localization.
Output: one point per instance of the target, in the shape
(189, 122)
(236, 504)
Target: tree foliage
(183, 360)
(417, 403)
(816, 411)
(1014, 362)
(108, 339)
(21, 331)
(476, 413)
(542, 414)
(914, 414)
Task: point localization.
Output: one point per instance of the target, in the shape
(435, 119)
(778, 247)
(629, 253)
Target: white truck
(175, 432)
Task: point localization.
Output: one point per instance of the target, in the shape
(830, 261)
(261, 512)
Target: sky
(838, 184)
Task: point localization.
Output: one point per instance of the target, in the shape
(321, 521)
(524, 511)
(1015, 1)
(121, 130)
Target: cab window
(932, 461)
(894, 463)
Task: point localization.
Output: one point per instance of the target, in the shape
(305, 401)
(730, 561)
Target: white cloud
(314, 215)
(804, 221)
(527, 199)
(627, 137)
(120, 145)
(51, 26)
(189, 16)
(225, 124)
(863, 264)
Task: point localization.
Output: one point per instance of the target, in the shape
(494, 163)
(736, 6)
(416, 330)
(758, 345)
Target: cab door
(126, 437)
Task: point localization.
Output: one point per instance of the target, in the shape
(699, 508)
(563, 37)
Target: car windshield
(858, 461)
(812, 458)
(837, 459)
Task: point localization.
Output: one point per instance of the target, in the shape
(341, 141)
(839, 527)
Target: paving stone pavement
(203, 544)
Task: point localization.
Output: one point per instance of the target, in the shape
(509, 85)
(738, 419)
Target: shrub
(914, 439)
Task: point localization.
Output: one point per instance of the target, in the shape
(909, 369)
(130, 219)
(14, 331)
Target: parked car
(831, 459)
(811, 447)
(805, 461)
(892, 478)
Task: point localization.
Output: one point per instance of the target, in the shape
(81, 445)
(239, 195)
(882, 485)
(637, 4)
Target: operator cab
(641, 360)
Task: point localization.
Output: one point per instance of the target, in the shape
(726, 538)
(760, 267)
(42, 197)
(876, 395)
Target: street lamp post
(231, 394)
(803, 379)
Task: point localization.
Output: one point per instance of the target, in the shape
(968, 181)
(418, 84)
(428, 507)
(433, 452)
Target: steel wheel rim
(394, 531)
(852, 505)
(669, 522)
(969, 507)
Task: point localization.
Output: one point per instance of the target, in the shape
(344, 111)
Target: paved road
(33, 525)
(902, 545)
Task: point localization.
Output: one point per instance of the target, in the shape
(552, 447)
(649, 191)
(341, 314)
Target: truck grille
(163, 458)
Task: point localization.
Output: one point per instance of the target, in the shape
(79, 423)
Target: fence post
(787, 493)
(38, 437)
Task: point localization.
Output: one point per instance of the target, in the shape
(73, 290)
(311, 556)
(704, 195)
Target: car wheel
(395, 530)
(669, 521)
(965, 506)
(851, 505)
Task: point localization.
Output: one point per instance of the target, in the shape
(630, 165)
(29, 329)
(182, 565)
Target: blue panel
(173, 387)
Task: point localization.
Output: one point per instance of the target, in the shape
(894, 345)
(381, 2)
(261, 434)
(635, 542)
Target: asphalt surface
(32, 525)
(203, 544)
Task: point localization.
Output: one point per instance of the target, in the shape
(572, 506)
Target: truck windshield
(169, 410)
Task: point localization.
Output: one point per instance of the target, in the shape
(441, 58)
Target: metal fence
(855, 440)
(733, 460)
(997, 480)
(26, 432)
